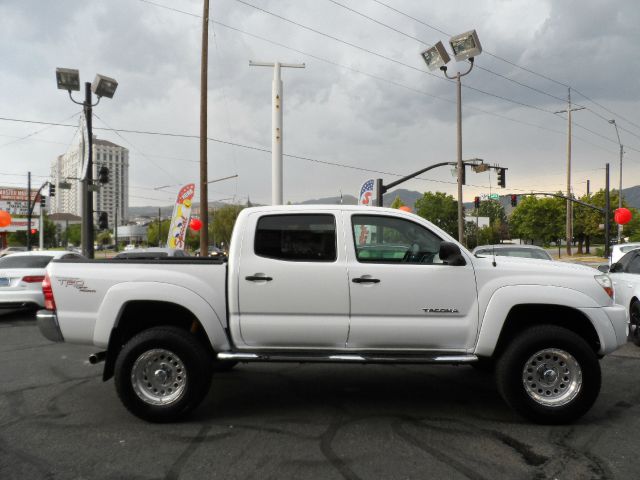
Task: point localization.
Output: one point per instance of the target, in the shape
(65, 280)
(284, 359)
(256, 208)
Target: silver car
(151, 253)
(21, 276)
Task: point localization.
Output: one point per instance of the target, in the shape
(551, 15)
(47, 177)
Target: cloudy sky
(364, 103)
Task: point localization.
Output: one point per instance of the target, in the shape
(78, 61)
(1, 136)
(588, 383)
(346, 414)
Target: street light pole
(276, 127)
(459, 165)
(620, 186)
(204, 189)
(87, 195)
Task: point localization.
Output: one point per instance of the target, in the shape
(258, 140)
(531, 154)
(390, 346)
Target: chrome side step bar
(345, 357)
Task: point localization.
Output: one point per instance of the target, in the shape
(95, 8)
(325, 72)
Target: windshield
(25, 261)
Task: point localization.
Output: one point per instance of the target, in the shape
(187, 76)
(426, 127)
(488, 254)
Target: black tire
(566, 359)
(179, 374)
(634, 315)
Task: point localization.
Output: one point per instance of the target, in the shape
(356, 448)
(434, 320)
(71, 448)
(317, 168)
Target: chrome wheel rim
(552, 377)
(158, 377)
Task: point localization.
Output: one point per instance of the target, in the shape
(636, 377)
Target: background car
(21, 276)
(625, 275)
(213, 251)
(522, 251)
(618, 251)
(9, 250)
(151, 253)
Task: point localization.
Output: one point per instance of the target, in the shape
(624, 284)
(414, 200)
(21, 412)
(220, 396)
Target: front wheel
(162, 374)
(549, 374)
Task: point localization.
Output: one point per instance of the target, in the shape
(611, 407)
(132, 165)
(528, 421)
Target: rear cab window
(297, 237)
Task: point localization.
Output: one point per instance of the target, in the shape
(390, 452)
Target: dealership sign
(14, 201)
(20, 225)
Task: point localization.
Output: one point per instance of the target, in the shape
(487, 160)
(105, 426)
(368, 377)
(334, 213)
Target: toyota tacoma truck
(338, 284)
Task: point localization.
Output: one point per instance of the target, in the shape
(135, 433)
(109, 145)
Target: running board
(344, 358)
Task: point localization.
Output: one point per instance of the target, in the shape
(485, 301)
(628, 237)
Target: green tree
(104, 238)
(224, 219)
(440, 209)
(397, 203)
(152, 233)
(492, 209)
(73, 234)
(539, 219)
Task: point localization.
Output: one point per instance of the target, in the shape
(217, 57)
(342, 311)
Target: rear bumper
(48, 324)
(12, 299)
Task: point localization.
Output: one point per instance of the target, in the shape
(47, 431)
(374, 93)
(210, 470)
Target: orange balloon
(404, 208)
(5, 218)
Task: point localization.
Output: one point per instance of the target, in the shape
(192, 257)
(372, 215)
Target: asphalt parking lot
(58, 420)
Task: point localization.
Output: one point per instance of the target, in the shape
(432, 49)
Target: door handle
(256, 278)
(365, 280)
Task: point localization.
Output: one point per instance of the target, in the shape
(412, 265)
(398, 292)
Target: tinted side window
(626, 259)
(393, 240)
(310, 238)
(634, 265)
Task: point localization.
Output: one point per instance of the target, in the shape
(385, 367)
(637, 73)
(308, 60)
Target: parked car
(213, 251)
(21, 276)
(9, 250)
(625, 275)
(151, 252)
(521, 251)
(618, 251)
(305, 284)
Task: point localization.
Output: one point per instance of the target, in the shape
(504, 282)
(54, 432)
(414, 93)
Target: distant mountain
(631, 195)
(408, 197)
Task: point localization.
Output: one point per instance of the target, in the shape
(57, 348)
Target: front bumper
(48, 324)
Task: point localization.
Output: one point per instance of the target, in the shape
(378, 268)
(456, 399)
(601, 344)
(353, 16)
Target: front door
(402, 295)
(292, 278)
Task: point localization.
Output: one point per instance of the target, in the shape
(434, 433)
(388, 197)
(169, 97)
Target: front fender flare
(505, 298)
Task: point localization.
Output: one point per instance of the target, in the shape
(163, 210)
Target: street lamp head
(436, 56)
(68, 79)
(104, 86)
(613, 122)
(466, 45)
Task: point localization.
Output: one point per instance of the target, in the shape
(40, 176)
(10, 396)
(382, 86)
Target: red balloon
(404, 208)
(622, 216)
(195, 224)
(5, 218)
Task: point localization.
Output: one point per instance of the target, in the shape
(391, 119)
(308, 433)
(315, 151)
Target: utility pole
(607, 207)
(28, 211)
(41, 233)
(204, 188)
(159, 227)
(569, 229)
(613, 122)
(115, 228)
(587, 240)
(276, 126)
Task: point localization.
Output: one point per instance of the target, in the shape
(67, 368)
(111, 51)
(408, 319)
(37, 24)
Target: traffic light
(103, 221)
(514, 200)
(476, 202)
(52, 190)
(103, 175)
(43, 201)
(502, 174)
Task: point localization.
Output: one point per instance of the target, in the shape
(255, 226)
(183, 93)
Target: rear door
(402, 295)
(292, 278)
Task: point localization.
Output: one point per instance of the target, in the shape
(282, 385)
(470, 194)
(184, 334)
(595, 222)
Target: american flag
(366, 193)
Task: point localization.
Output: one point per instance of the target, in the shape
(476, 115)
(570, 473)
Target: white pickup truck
(340, 284)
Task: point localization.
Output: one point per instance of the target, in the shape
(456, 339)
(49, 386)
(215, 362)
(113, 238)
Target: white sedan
(625, 274)
(21, 276)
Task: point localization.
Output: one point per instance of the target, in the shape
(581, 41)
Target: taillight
(33, 278)
(605, 283)
(49, 302)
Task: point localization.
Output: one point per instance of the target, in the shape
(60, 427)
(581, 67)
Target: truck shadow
(301, 390)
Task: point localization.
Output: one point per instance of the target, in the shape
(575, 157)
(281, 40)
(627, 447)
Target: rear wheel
(634, 314)
(549, 374)
(162, 374)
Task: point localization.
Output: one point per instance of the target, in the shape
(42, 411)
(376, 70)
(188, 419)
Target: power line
(390, 59)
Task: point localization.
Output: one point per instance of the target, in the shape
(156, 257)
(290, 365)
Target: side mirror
(616, 268)
(451, 255)
(603, 268)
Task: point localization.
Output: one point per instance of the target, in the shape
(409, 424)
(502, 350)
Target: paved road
(58, 420)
